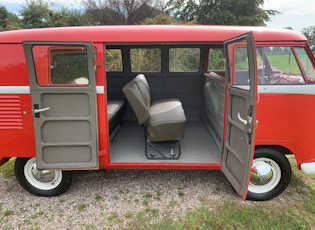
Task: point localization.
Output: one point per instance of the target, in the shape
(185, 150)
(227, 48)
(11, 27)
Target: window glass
(306, 63)
(277, 65)
(61, 65)
(241, 66)
(114, 61)
(184, 60)
(145, 60)
(216, 59)
(69, 66)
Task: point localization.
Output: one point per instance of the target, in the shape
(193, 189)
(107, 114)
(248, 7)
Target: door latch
(248, 122)
(37, 110)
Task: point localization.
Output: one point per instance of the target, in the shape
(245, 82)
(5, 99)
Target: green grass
(283, 63)
(235, 215)
(7, 170)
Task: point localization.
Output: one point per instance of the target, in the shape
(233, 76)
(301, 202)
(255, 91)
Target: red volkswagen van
(235, 99)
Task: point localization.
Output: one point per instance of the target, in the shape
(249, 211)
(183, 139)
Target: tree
(129, 12)
(221, 12)
(309, 33)
(41, 14)
(36, 14)
(100, 13)
(164, 19)
(161, 19)
(3, 18)
(8, 21)
(66, 17)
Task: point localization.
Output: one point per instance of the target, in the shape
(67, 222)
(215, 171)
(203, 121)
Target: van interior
(165, 103)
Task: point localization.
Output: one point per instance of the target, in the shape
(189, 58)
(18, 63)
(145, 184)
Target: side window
(69, 66)
(307, 64)
(241, 66)
(145, 60)
(278, 65)
(184, 60)
(61, 65)
(216, 59)
(114, 62)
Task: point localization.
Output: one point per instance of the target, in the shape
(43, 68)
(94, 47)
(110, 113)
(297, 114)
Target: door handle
(249, 120)
(37, 110)
(41, 110)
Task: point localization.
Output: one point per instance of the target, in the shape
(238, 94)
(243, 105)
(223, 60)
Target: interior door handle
(249, 120)
(41, 110)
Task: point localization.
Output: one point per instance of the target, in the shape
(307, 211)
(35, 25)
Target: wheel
(270, 175)
(41, 182)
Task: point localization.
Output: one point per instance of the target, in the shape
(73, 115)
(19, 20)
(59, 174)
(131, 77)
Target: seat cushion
(115, 110)
(167, 121)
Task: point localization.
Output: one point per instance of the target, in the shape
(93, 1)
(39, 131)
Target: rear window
(184, 60)
(114, 62)
(145, 60)
(216, 59)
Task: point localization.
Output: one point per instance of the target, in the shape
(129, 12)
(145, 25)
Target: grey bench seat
(163, 120)
(167, 120)
(115, 110)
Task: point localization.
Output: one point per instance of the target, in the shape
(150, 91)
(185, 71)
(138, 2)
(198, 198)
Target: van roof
(144, 33)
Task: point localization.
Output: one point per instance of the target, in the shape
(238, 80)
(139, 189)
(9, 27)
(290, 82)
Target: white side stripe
(307, 89)
(14, 90)
(26, 90)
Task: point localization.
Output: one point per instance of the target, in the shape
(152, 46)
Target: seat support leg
(171, 156)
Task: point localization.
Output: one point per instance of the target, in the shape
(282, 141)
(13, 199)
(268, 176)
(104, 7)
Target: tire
(270, 175)
(41, 182)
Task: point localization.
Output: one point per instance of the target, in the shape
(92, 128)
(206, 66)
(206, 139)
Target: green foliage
(3, 17)
(8, 21)
(221, 12)
(216, 60)
(145, 60)
(36, 14)
(41, 14)
(114, 60)
(309, 33)
(184, 59)
(161, 19)
(114, 12)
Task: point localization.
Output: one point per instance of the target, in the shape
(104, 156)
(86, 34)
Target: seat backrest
(138, 95)
(144, 88)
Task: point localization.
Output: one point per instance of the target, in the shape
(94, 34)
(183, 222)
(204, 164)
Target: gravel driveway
(119, 199)
(111, 200)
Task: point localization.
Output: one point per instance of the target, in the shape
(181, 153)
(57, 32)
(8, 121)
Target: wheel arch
(278, 148)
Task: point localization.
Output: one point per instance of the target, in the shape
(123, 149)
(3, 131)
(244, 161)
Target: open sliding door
(63, 92)
(238, 148)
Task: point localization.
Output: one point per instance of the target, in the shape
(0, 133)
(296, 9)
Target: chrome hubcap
(261, 174)
(44, 176)
(265, 175)
(41, 179)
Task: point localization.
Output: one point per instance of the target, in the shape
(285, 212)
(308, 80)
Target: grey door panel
(65, 122)
(238, 148)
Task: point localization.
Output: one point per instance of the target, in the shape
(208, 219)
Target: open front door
(240, 120)
(63, 92)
